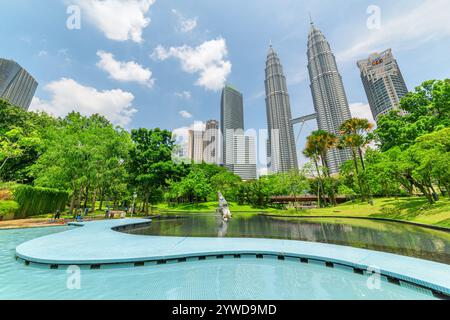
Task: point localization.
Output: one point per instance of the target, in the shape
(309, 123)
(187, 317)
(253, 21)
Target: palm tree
(358, 131)
(317, 146)
(323, 141)
(355, 136)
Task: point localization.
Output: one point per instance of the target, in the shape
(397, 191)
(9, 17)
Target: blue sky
(111, 62)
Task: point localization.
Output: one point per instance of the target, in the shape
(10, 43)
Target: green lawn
(209, 207)
(406, 209)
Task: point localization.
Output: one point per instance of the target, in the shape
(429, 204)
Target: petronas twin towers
(330, 103)
(281, 150)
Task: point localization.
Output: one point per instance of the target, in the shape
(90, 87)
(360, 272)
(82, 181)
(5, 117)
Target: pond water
(393, 237)
(211, 279)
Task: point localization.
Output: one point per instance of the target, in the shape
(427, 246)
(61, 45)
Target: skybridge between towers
(302, 121)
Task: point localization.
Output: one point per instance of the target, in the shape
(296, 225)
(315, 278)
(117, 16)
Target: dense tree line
(100, 164)
(411, 154)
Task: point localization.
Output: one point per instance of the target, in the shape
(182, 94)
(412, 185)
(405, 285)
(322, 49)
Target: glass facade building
(328, 93)
(16, 85)
(383, 82)
(281, 149)
(239, 153)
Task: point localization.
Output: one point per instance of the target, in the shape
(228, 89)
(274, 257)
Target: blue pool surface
(245, 278)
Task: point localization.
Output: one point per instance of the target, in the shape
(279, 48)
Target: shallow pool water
(245, 278)
(390, 237)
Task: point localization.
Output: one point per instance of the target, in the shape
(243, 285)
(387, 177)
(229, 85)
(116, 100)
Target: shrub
(8, 209)
(35, 201)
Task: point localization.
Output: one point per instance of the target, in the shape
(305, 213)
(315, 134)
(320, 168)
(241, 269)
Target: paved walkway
(96, 243)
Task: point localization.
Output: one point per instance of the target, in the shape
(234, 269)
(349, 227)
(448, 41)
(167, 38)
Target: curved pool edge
(411, 223)
(98, 243)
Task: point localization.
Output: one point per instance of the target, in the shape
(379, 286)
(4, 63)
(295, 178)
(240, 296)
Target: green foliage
(151, 167)
(36, 201)
(21, 138)
(427, 110)
(8, 209)
(193, 188)
(256, 193)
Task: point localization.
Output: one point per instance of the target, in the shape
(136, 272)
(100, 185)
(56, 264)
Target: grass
(210, 207)
(416, 210)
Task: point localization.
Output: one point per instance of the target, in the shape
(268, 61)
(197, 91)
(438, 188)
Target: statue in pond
(223, 209)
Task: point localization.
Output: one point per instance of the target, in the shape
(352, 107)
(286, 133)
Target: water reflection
(374, 235)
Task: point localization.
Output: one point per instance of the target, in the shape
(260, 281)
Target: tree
(227, 183)
(317, 146)
(151, 166)
(431, 152)
(82, 155)
(292, 183)
(194, 188)
(355, 135)
(22, 134)
(427, 109)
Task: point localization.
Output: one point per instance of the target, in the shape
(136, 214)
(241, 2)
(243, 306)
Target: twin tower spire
(329, 98)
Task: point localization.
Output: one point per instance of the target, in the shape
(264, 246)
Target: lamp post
(134, 204)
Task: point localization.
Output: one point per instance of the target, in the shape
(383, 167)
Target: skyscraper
(195, 146)
(239, 154)
(383, 82)
(211, 140)
(231, 119)
(16, 84)
(244, 156)
(282, 153)
(328, 93)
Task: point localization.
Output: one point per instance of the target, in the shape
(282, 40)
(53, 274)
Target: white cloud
(119, 20)
(208, 60)
(184, 24)
(42, 53)
(67, 95)
(124, 71)
(362, 111)
(185, 114)
(428, 21)
(184, 95)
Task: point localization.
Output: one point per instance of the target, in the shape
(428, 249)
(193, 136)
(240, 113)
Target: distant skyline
(163, 63)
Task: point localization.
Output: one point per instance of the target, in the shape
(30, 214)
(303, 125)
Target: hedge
(35, 201)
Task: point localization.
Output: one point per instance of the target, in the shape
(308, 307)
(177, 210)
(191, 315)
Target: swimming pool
(398, 238)
(245, 278)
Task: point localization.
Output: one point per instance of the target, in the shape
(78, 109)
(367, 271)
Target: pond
(211, 279)
(393, 237)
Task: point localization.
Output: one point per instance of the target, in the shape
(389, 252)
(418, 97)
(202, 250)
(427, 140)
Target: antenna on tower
(310, 18)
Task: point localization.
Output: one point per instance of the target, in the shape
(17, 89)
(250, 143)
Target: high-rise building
(328, 93)
(282, 153)
(211, 139)
(383, 82)
(195, 146)
(231, 119)
(244, 156)
(239, 154)
(16, 85)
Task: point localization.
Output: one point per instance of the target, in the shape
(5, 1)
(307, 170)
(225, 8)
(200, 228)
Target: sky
(162, 63)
